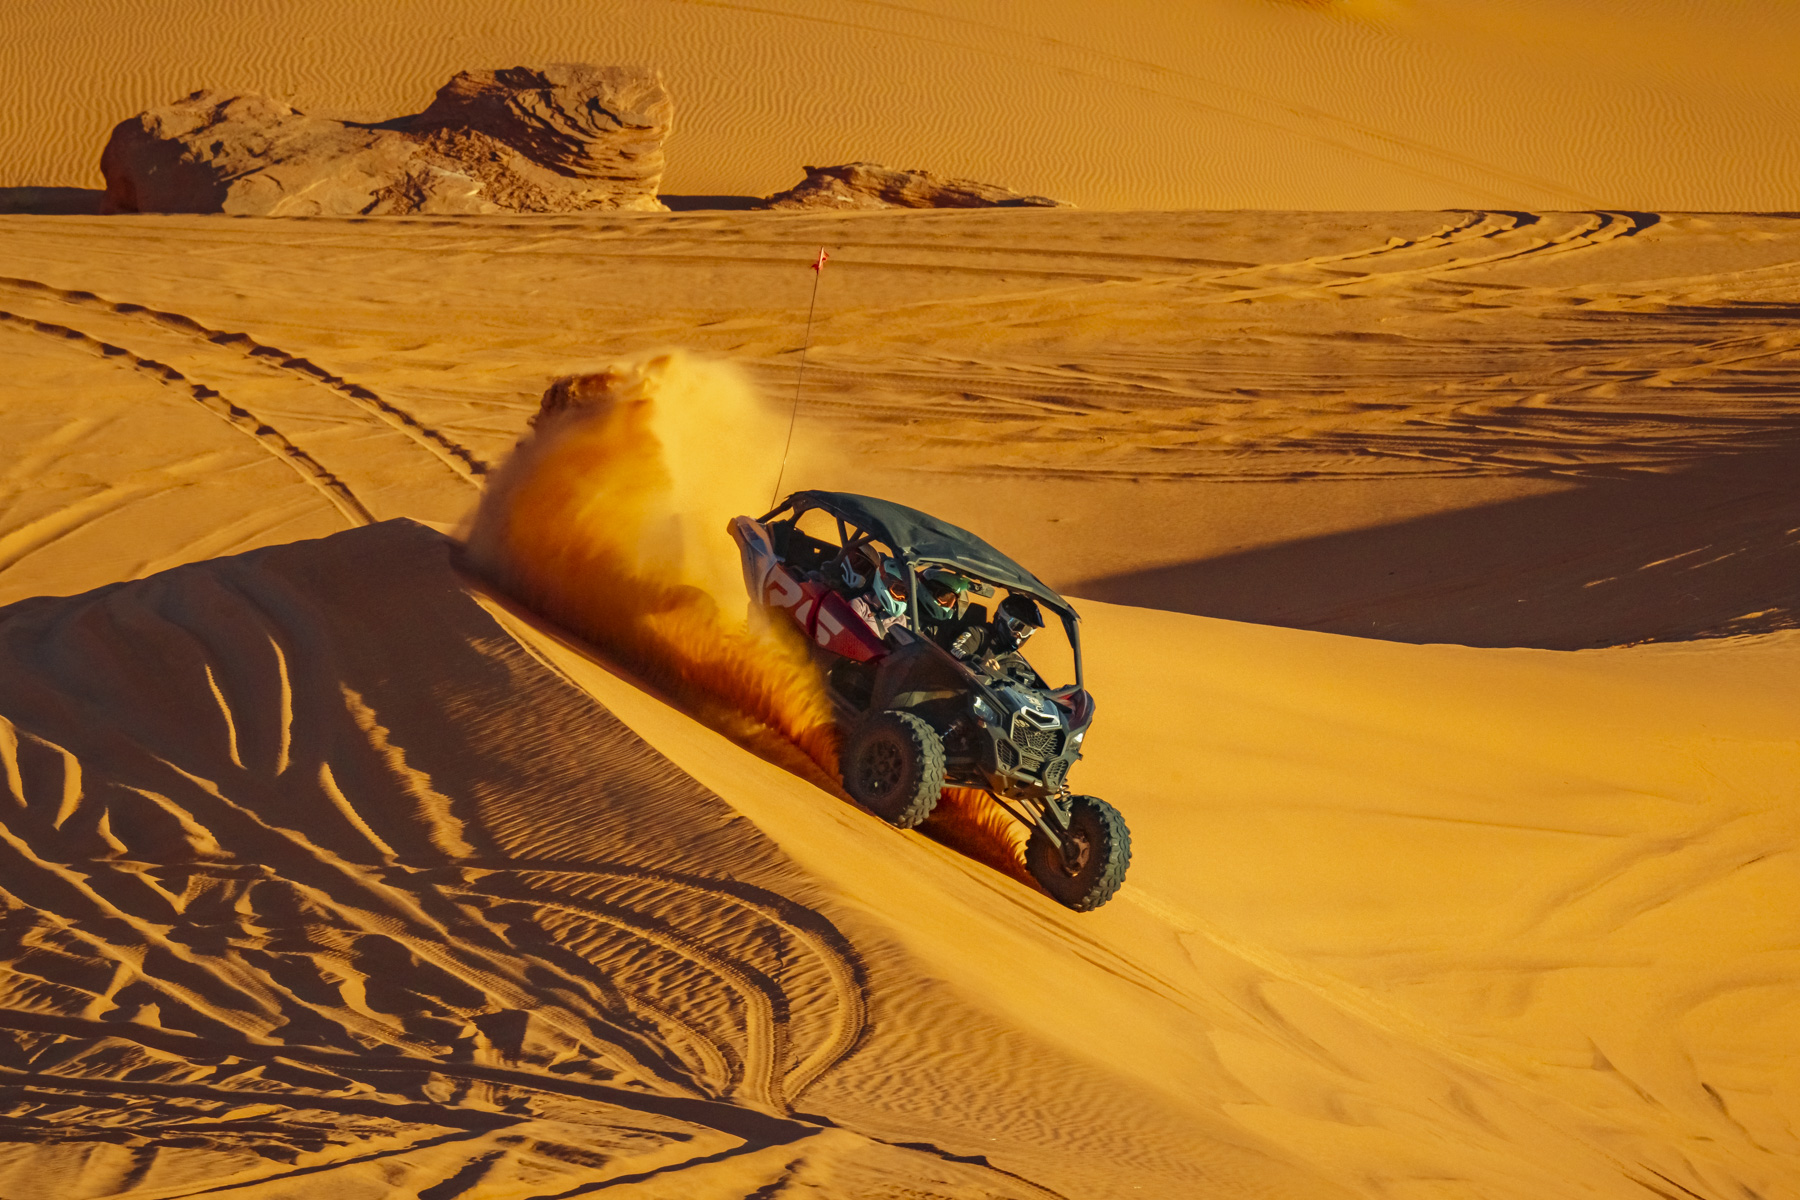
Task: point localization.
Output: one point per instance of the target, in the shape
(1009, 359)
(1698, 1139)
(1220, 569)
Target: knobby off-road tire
(894, 767)
(1088, 877)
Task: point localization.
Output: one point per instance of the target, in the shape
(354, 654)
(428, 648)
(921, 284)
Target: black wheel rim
(881, 768)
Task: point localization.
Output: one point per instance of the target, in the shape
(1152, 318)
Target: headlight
(1076, 740)
(982, 709)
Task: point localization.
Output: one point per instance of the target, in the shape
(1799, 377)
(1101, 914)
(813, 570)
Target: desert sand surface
(1302, 104)
(1492, 428)
(1437, 574)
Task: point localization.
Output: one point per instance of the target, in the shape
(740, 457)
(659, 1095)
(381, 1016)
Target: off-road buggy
(918, 628)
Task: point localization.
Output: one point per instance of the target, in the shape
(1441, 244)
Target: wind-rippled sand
(326, 872)
(1315, 104)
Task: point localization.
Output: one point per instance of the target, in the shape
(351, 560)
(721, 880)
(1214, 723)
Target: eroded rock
(863, 185)
(567, 138)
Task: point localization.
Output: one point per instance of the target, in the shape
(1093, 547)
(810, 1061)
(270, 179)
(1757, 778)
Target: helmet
(945, 596)
(1017, 618)
(851, 568)
(889, 591)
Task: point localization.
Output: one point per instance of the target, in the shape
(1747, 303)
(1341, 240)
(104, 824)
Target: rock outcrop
(862, 185)
(567, 138)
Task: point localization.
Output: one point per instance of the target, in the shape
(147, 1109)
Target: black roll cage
(802, 503)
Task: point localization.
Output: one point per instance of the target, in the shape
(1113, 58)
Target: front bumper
(1021, 760)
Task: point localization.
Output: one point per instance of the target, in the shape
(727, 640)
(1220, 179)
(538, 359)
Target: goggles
(1017, 628)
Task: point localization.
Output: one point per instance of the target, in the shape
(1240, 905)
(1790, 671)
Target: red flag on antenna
(822, 260)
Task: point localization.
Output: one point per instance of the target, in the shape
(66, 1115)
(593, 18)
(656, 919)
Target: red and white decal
(822, 615)
(841, 631)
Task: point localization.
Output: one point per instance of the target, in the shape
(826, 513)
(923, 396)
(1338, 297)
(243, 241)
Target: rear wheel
(894, 767)
(1086, 872)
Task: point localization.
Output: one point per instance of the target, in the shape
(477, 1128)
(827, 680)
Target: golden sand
(345, 874)
(1350, 104)
(1437, 571)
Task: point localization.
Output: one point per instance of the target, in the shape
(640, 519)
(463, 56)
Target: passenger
(944, 605)
(877, 593)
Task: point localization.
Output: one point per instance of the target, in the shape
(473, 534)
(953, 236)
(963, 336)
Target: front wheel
(894, 767)
(1085, 872)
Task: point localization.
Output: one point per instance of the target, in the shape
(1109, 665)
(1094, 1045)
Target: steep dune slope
(319, 872)
(314, 875)
(1432, 920)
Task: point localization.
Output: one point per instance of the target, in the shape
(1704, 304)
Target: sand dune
(1240, 103)
(351, 887)
(329, 871)
(1378, 1010)
(348, 881)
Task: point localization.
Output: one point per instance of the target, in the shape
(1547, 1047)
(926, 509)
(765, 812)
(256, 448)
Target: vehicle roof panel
(923, 538)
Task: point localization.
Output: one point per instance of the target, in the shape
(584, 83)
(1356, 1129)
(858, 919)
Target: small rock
(863, 185)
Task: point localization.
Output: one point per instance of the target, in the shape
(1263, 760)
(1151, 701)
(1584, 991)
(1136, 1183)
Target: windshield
(1049, 650)
(978, 621)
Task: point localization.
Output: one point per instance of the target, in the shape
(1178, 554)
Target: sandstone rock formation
(863, 185)
(566, 138)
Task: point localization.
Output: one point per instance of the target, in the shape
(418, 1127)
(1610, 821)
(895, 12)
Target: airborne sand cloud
(609, 517)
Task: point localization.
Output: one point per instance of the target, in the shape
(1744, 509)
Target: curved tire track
(765, 1078)
(461, 460)
(1595, 229)
(266, 436)
(723, 1115)
(765, 1006)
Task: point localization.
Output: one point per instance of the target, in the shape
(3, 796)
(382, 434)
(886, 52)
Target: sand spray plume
(972, 824)
(609, 518)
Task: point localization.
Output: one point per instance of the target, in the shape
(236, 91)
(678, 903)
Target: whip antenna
(818, 269)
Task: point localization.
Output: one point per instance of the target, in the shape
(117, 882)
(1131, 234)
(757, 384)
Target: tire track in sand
(778, 966)
(723, 1115)
(1061, 401)
(459, 458)
(1593, 229)
(270, 439)
(1238, 285)
(995, 380)
(933, 319)
(827, 948)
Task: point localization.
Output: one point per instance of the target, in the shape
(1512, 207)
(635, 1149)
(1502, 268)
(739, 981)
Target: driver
(996, 646)
(1017, 618)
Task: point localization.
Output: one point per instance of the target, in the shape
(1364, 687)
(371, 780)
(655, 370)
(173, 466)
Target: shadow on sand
(711, 203)
(68, 201)
(1707, 551)
(51, 201)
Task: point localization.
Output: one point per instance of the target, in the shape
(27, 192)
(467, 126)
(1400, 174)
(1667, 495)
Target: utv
(918, 629)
